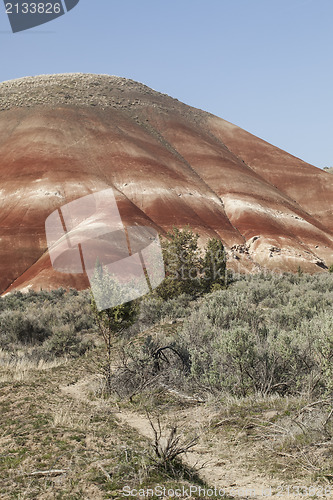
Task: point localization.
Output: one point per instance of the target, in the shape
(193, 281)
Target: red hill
(66, 136)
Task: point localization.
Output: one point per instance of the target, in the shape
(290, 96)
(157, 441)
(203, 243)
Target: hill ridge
(75, 85)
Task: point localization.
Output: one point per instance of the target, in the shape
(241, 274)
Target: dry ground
(54, 418)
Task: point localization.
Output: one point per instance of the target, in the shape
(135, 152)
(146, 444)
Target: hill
(66, 136)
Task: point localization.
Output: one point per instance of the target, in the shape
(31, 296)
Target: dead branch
(43, 473)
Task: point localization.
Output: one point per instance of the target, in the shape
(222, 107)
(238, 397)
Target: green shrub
(150, 310)
(23, 327)
(65, 341)
(50, 321)
(263, 334)
(153, 309)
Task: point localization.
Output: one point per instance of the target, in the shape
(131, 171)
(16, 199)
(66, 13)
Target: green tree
(214, 265)
(189, 270)
(111, 321)
(183, 264)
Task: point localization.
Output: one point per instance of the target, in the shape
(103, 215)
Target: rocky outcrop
(65, 136)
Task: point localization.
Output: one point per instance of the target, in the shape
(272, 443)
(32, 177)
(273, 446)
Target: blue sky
(265, 65)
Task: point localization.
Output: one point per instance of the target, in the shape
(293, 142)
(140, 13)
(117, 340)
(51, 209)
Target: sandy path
(222, 467)
(221, 464)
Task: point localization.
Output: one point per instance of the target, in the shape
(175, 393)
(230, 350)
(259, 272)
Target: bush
(51, 321)
(263, 335)
(65, 341)
(23, 327)
(154, 309)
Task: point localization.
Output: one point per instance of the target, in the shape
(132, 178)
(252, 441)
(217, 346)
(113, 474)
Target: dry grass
(17, 368)
(45, 428)
(71, 419)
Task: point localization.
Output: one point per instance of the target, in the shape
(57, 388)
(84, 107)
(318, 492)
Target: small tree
(214, 265)
(183, 264)
(186, 270)
(111, 321)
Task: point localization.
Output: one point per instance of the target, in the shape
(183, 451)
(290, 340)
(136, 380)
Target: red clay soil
(66, 136)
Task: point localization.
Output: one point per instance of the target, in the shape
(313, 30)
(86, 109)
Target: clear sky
(265, 65)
